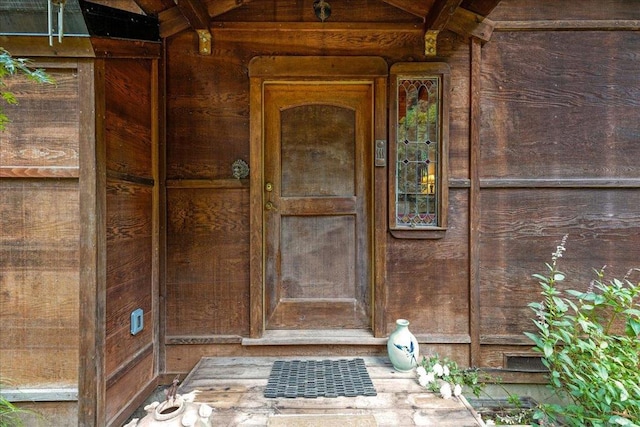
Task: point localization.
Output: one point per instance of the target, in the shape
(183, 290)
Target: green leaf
(621, 421)
(633, 327)
(547, 349)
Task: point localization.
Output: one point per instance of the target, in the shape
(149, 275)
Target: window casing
(419, 132)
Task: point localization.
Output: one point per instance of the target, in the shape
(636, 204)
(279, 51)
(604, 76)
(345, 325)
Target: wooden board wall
(207, 210)
(39, 233)
(130, 93)
(541, 144)
(559, 139)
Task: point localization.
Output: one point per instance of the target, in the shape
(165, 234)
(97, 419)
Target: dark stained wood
(380, 211)
(544, 126)
(172, 21)
(129, 146)
(320, 189)
(211, 297)
(428, 280)
(550, 10)
(522, 226)
(419, 9)
(354, 12)
(154, 7)
(122, 394)
(39, 262)
(440, 13)
(467, 23)
(195, 13)
(131, 193)
(474, 202)
(481, 7)
(219, 7)
(570, 25)
(42, 135)
(92, 293)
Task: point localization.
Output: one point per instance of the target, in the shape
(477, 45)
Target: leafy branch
(590, 342)
(9, 67)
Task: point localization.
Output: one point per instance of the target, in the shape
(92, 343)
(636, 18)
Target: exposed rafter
(481, 7)
(198, 18)
(195, 13)
(417, 8)
(436, 21)
(154, 7)
(440, 14)
(219, 7)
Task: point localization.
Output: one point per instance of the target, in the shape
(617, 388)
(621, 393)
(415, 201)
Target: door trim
(373, 70)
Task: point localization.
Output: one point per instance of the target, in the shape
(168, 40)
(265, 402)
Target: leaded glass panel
(417, 151)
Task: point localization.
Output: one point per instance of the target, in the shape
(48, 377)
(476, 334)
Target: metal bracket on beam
(430, 42)
(204, 42)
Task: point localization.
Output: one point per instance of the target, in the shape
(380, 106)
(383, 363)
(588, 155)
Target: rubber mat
(316, 378)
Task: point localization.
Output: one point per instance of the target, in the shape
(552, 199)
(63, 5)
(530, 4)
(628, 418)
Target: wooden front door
(317, 211)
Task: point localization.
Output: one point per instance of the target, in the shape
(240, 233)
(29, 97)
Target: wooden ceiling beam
(469, 24)
(172, 21)
(198, 18)
(416, 8)
(154, 7)
(195, 13)
(481, 7)
(435, 21)
(220, 7)
(440, 14)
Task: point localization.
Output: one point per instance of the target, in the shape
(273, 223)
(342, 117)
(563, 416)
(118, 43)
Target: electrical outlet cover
(137, 321)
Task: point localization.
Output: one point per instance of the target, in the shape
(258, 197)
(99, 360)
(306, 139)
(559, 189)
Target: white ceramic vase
(402, 347)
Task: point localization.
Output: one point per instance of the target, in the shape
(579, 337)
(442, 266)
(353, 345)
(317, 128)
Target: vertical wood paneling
(474, 201)
(131, 227)
(91, 384)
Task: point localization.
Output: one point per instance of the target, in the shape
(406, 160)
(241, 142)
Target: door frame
(360, 69)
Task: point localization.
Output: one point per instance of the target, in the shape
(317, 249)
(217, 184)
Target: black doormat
(315, 378)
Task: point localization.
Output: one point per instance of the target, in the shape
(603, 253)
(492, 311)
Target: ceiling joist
(198, 18)
(436, 21)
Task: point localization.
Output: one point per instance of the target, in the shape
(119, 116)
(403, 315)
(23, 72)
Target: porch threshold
(316, 337)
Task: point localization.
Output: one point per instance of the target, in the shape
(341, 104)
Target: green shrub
(590, 341)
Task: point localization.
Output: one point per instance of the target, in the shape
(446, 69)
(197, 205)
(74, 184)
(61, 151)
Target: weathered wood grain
(428, 281)
(520, 228)
(551, 10)
(43, 131)
(302, 11)
(568, 116)
(39, 281)
(235, 389)
(128, 119)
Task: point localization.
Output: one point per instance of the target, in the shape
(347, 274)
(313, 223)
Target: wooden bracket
(430, 42)
(204, 42)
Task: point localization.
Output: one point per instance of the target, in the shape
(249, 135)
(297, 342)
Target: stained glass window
(417, 148)
(417, 152)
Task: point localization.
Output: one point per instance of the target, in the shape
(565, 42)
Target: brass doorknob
(270, 206)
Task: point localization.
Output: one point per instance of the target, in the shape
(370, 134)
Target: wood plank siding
(117, 189)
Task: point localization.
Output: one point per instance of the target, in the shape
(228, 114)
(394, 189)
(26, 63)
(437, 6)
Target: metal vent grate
(525, 363)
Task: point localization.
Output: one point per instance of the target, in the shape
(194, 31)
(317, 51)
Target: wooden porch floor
(234, 387)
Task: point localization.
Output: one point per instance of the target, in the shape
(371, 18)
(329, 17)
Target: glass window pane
(417, 151)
